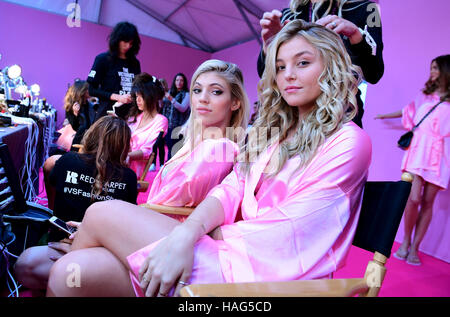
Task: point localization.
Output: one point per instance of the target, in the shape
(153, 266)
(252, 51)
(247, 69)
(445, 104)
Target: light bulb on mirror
(35, 89)
(14, 71)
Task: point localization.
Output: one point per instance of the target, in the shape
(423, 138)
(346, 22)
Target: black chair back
(381, 212)
(18, 205)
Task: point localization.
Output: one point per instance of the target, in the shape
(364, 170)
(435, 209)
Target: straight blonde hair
(232, 74)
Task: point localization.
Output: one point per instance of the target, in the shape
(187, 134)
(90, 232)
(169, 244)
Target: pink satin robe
(429, 152)
(188, 182)
(144, 138)
(299, 225)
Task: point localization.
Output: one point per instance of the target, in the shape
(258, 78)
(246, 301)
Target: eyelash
(215, 92)
(301, 64)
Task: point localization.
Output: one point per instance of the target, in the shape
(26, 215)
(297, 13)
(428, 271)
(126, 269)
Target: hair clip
(154, 79)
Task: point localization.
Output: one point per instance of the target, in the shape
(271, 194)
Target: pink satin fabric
(144, 138)
(190, 179)
(429, 152)
(297, 225)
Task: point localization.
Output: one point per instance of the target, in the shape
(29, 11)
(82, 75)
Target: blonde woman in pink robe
(289, 208)
(428, 156)
(144, 120)
(217, 123)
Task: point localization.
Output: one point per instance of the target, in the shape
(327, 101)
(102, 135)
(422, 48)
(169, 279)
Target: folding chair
(142, 183)
(381, 212)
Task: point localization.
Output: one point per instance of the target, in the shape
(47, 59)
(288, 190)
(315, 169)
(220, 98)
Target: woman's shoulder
(351, 138)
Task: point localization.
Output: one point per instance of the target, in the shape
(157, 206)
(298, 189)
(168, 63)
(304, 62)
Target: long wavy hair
(107, 143)
(335, 105)
(295, 4)
(151, 90)
(443, 81)
(232, 74)
(78, 92)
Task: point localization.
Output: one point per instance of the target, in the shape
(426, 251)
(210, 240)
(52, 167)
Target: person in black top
(98, 173)
(177, 111)
(113, 72)
(357, 21)
(77, 109)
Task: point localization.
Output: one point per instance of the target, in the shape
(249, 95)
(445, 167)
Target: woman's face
(299, 66)
(434, 71)
(179, 82)
(124, 47)
(212, 101)
(140, 102)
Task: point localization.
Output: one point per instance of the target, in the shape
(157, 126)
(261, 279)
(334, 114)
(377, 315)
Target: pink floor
(431, 279)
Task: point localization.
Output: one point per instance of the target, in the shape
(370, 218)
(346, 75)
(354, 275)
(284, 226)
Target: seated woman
(219, 102)
(77, 115)
(287, 211)
(75, 125)
(144, 120)
(97, 174)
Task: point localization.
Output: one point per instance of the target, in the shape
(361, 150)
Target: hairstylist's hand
(271, 25)
(342, 27)
(125, 98)
(170, 263)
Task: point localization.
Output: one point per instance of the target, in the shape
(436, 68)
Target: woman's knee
(28, 269)
(64, 277)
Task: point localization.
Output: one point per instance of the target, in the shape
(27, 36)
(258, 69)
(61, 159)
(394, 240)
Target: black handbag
(405, 139)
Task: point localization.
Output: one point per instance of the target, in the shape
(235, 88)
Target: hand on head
(271, 25)
(342, 27)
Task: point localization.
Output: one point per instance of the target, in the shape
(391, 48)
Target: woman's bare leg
(411, 214)
(121, 229)
(33, 266)
(423, 220)
(89, 272)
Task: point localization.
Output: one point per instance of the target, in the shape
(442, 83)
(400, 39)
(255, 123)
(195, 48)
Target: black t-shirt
(73, 177)
(111, 75)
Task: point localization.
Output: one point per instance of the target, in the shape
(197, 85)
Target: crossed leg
(110, 231)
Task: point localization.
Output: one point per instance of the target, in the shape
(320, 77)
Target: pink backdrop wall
(53, 55)
(413, 33)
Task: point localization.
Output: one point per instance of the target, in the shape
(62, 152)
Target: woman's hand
(271, 25)
(170, 263)
(169, 96)
(124, 99)
(343, 27)
(75, 224)
(64, 246)
(76, 108)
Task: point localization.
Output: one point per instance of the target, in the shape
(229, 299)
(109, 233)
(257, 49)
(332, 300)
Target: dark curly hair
(124, 31)
(151, 90)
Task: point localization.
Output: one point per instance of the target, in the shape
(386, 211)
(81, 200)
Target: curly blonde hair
(335, 105)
